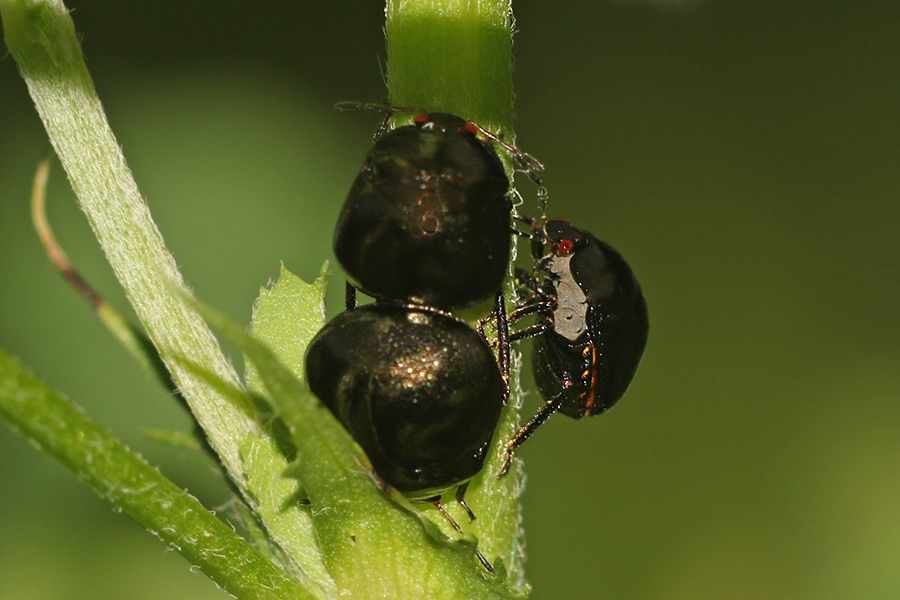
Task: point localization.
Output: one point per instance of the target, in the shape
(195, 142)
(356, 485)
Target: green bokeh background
(744, 155)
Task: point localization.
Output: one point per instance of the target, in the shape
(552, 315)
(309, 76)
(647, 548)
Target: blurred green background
(743, 155)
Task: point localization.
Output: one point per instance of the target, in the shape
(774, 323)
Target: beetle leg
(530, 307)
(436, 501)
(460, 491)
(484, 562)
(479, 326)
(350, 296)
(460, 495)
(538, 305)
(532, 331)
(529, 164)
(526, 430)
(502, 344)
(503, 339)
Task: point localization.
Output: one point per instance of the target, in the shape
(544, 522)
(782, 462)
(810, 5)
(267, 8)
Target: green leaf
(177, 439)
(374, 542)
(443, 55)
(41, 37)
(138, 489)
(286, 316)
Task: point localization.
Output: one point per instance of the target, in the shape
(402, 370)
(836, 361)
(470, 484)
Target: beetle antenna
(530, 165)
(373, 107)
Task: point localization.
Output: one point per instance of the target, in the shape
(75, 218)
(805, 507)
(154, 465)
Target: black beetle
(417, 388)
(591, 330)
(428, 218)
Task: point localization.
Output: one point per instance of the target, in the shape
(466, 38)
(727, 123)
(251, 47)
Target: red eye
(563, 220)
(420, 119)
(565, 246)
(470, 127)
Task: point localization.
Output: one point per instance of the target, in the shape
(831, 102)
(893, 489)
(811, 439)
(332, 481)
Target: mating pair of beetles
(426, 229)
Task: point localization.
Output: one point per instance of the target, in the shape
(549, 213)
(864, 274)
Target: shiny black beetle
(417, 388)
(592, 325)
(425, 228)
(427, 219)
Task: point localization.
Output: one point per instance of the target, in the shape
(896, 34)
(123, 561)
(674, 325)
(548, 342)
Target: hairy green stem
(41, 37)
(456, 56)
(375, 543)
(128, 482)
(450, 56)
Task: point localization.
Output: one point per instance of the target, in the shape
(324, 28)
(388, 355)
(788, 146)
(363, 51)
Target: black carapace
(427, 219)
(425, 228)
(418, 389)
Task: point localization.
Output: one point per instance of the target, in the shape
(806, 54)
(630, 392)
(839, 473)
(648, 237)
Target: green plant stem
(452, 56)
(119, 475)
(443, 56)
(376, 544)
(456, 56)
(41, 37)
(131, 337)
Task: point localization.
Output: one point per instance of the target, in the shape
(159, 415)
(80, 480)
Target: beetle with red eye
(425, 229)
(427, 219)
(592, 324)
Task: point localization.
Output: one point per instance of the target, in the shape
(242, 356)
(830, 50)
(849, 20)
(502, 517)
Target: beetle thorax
(570, 314)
